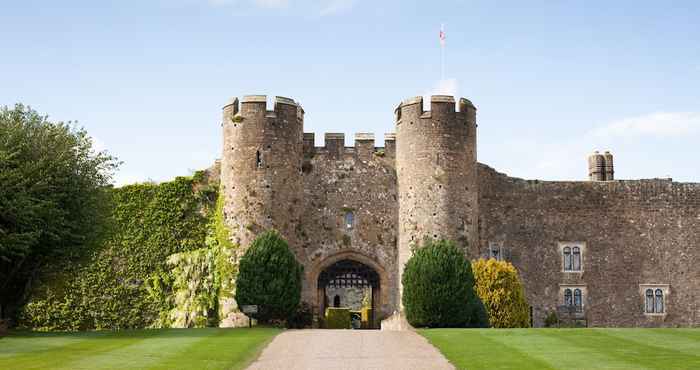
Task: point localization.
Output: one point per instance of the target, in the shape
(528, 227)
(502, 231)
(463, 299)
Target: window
(577, 259)
(654, 296)
(496, 251)
(649, 301)
(567, 298)
(567, 259)
(572, 256)
(349, 220)
(578, 303)
(258, 160)
(573, 297)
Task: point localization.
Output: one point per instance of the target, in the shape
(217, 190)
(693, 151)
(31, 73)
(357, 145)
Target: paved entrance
(349, 350)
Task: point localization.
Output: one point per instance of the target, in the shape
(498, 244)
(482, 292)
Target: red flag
(442, 35)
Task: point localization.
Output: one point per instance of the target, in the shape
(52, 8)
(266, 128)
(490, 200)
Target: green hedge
(126, 281)
(270, 278)
(438, 288)
(337, 318)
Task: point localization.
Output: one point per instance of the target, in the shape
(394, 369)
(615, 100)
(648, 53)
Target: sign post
(248, 310)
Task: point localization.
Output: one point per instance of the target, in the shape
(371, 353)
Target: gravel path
(350, 349)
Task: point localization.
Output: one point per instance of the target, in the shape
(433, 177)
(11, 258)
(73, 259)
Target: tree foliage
(438, 288)
(125, 282)
(269, 276)
(500, 289)
(52, 195)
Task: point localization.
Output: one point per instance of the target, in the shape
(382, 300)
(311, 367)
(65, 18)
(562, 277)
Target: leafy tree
(269, 277)
(501, 291)
(52, 197)
(438, 288)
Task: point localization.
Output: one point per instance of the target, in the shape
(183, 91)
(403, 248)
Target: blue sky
(553, 80)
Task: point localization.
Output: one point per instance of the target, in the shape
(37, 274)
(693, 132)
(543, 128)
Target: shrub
(269, 277)
(302, 318)
(438, 288)
(338, 318)
(499, 287)
(551, 320)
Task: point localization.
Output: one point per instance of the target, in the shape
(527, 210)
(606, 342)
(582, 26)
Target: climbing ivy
(163, 237)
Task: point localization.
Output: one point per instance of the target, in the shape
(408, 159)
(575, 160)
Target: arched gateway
(352, 285)
(350, 280)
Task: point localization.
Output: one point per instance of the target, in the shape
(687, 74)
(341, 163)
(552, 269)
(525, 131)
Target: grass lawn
(135, 349)
(568, 348)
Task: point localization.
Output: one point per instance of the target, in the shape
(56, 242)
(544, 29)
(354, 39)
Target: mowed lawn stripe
(227, 349)
(686, 341)
(643, 356)
(550, 346)
(152, 349)
(56, 357)
(27, 342)
(475, 349)
(210, 348)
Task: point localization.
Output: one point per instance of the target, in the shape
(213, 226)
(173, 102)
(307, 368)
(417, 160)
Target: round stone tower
(261, 168)
(436, 170)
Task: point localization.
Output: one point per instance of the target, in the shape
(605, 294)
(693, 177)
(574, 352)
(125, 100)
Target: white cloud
(565, 159)
(661, 124)
(333, 7)
(448, 86)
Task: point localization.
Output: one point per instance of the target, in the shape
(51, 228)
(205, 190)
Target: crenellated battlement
(256, 106)
(442, 107)
(334, 145)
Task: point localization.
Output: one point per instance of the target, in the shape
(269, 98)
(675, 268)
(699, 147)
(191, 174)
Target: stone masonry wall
(339, 180)
(634, 232)
(436, 167)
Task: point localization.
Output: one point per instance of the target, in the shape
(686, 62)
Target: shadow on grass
(137, 333)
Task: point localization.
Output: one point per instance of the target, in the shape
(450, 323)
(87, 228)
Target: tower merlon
(334, 143)
(258, 103)
(364, 145)
(390, 144)
(442, 107)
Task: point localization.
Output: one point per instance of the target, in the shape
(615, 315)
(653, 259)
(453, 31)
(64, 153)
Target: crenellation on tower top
(443, 108)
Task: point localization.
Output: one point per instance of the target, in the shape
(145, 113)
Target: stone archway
(350, 269)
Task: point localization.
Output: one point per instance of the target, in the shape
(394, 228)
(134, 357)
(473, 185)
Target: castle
(617, 253)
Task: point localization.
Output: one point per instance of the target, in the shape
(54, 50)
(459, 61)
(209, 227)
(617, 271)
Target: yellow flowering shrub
(498, 285)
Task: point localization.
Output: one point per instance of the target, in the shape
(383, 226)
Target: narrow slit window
(349, 220)
(258, 160)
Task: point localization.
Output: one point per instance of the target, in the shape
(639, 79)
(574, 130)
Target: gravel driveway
(350, 349)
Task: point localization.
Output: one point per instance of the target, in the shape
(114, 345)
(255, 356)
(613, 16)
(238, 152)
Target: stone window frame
(583, 288)
(665, 289)
(496, 247)
(572, 245)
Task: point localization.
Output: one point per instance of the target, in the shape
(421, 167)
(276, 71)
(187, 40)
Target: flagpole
(442, 62)
(442, 52)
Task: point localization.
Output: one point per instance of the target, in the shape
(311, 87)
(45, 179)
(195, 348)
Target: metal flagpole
(442, 52)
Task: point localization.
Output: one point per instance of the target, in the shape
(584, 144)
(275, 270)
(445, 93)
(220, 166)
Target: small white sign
(249, 309)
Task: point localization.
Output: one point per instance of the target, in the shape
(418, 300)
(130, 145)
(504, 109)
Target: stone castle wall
(360, 180)
(632, 232)
(436, 172)
(425, 182)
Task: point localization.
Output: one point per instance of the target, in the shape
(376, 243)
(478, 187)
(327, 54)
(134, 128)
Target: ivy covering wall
(164, 263)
